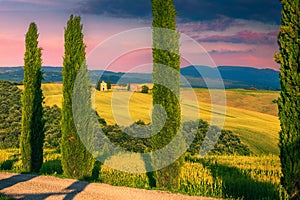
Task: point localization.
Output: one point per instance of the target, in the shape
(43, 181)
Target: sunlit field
(230, 177)
(251, 114)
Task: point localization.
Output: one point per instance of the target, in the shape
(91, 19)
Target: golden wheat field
(250, 114)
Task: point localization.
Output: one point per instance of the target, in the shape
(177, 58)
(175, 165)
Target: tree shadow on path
(15, 179)
(70, 192)
(75, 188)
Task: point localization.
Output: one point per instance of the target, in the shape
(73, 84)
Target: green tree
(289, 100)
(128, 87)
(77, 162)
(10, 115)
(166, 53)
(145, 89)
(32, 136)
(98, 85)
(108, 84)
(52, 117)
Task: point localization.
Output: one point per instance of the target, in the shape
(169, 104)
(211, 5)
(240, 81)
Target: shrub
(145, 89)
(52, 167)
(7, 165)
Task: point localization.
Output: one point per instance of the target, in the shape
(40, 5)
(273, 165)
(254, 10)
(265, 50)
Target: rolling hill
(250, 114)
(233, 76)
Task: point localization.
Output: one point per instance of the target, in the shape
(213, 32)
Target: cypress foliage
(165, 52)
(77, 162)
(98, 84)
(128, 87)
(32, 136)
(108, 84)
(289, 100)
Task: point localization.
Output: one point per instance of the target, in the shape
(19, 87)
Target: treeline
(11, 114)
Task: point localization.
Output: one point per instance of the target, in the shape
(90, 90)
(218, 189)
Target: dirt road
(27, 186)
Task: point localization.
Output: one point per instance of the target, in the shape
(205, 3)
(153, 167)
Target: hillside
(250, 114)
(229, 143)
(233, 76)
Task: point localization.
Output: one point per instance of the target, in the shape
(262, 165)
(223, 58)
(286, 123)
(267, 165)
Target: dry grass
(249, 113)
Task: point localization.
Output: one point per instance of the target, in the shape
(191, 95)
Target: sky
(230, 32)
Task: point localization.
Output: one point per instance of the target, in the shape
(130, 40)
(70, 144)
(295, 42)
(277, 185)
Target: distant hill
(16, 74)
(233, 76)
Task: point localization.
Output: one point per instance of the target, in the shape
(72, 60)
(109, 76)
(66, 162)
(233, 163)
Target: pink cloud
(252, 60)
(255, 55)
(248, 52)
(247, 37)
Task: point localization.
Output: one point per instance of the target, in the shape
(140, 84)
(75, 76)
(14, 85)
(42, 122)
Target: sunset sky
(233, 32)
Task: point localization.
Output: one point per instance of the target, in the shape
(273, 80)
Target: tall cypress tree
(98, 85)
(165, 52)
(32, 136)
(289, 100)
(108, 84)
(77, 162)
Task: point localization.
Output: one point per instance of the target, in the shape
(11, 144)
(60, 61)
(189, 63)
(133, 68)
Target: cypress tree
(77, 162)
(165, 52)
(289, 100)
(128, 87)
(108, 84)
(32, 136)
(98, 84)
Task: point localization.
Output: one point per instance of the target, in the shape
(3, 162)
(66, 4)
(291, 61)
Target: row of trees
(78, 162)
(76, 159)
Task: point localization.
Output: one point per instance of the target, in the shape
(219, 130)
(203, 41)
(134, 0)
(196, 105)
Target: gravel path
(27, 186)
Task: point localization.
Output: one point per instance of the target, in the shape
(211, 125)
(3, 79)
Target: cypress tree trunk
(77, 162)
(165, 52)
(289, 100)
(32, 136)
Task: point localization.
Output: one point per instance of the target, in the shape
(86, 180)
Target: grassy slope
(250, 114)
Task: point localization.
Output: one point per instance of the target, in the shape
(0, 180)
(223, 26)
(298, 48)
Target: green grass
(250, 114)
(233, 177)
(3, 197)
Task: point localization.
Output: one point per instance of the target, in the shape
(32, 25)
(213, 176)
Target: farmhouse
(103, 86)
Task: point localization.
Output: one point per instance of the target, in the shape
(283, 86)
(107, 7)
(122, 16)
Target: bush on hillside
(52, 117)
(220, 142)
(10, 115)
